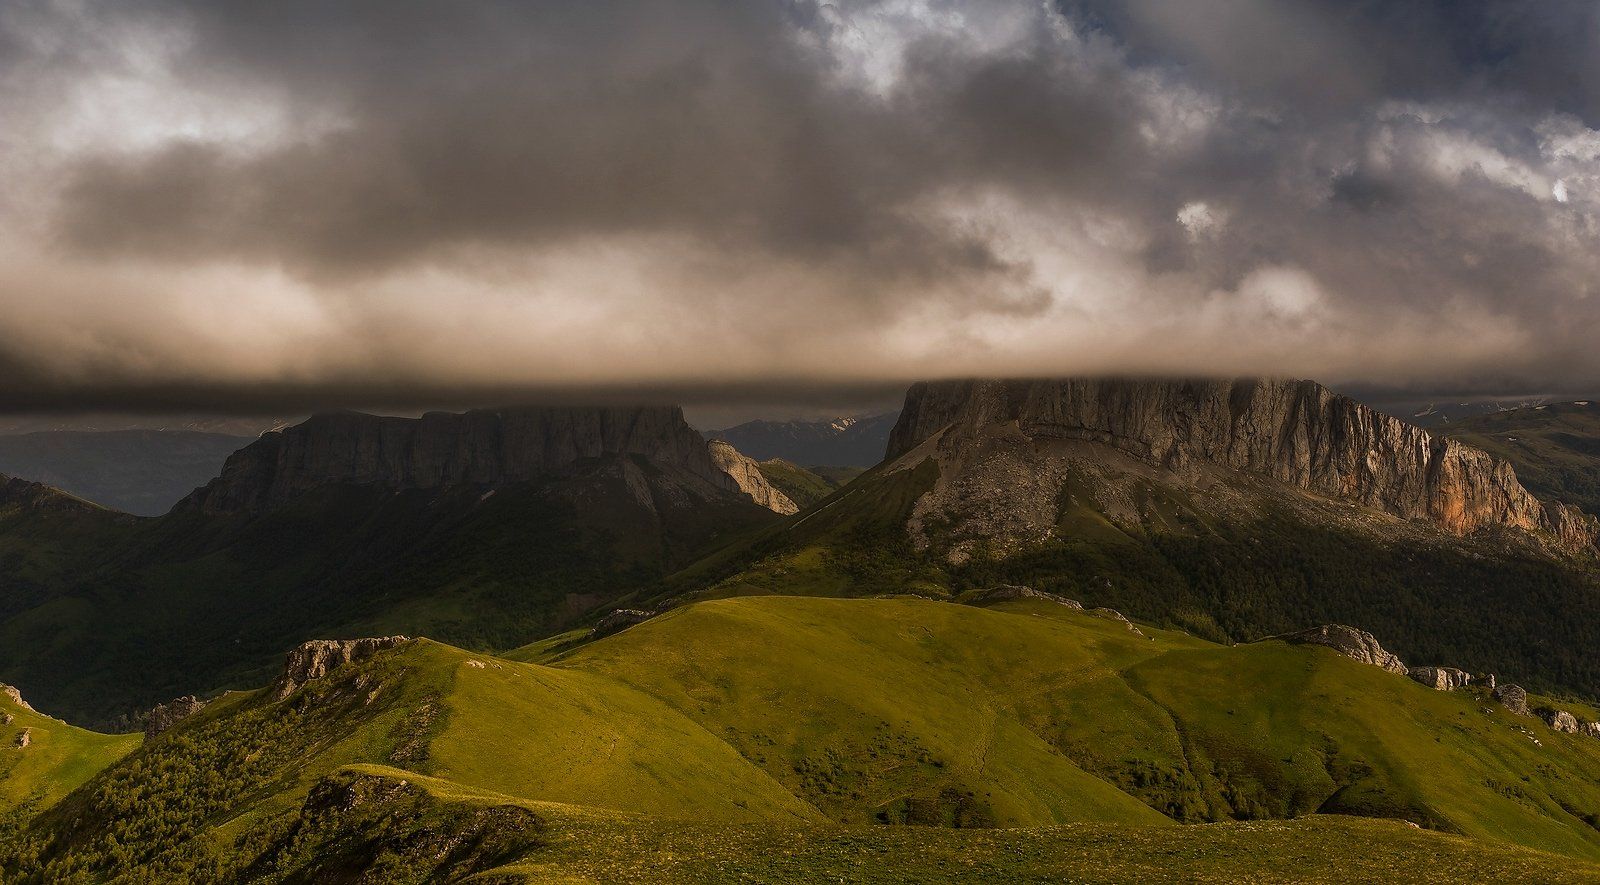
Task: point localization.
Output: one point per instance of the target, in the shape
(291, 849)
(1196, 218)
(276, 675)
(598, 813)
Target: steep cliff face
(481, 448)
(1295, 432)
(748, 477)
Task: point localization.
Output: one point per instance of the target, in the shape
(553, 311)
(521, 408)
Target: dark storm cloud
(313, 203)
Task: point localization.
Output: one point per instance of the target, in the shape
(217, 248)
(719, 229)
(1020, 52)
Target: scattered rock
(476, 665)
(1513, 697)
(1009, 592)
(1358, 645)
(314, 659)
(24, 738)
(163, 716)
(16, 697)
(1441, 678)
(619, 620)
(1560, 720)
(1112, 614)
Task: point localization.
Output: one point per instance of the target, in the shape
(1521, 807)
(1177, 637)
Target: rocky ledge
(315, 659)
(1441, 678)
(163, 716)
(16, 697)
(1012, 592)
(1355, 644)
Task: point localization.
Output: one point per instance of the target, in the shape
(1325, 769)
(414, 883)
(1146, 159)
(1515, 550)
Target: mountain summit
(1026, 441)
(488, 448)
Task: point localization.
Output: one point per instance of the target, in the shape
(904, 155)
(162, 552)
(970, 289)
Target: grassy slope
(801, 485)
(797, 723)
(58, 759)
(1555, 449)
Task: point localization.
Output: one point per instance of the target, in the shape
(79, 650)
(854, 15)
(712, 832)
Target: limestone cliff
(1294, 432)
(315, 659)
(748, 477)
(481, 448)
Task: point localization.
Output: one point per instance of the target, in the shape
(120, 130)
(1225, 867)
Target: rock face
(1513, 698)
(314, 659)
(748, 477)
(163, 716)
(1441, 678)
(1009, 592)
(1358, 645)
(482, 448)
(16, 697)
(1296, 432)
(619, 620)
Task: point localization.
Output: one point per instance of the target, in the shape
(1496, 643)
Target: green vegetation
(803, 486)
(1555, 448)
(787, 739)
(103, 616)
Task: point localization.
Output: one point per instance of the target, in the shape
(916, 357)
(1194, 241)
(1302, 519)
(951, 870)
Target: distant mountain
(1232, 509)
(226, 425)
(1441, 413)
(1555, 448)
(143, 472)
(840, 442)
(487, 529)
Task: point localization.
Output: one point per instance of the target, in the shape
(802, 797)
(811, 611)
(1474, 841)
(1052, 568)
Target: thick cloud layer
(291, 205)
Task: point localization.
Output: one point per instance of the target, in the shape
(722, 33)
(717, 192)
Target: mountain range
(143, 472)
(836, 442)
(1071, 602)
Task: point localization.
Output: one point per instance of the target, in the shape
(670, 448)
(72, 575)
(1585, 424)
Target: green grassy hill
(804, 487)
(1555, 448)
(58, 759)
(783, 738)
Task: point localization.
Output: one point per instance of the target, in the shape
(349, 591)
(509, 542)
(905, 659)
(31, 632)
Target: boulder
(1592, 729)
(619, 620)
(1358, 645)
(1484, 679)
(24, 738)
(1010, 592)
(314, 659)
(163, 716)
(1513, 697)
(1560, 720)
(1441, 678)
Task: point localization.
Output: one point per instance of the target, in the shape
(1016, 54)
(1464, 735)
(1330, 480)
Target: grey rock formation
(619, 620)
(1296, 432)
(1592, 729)
(7, 718)
(1513, 697)
(1010, 592)
(748, 477)
(1441, 678)
(163, 716)
(440, 449)
(315, 659)
(24, 738)
(1358, 645)
(16, 697)
(1485, 680)
(1560, 720)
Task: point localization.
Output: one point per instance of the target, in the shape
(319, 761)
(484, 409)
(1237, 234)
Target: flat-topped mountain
(480, 448)
(1295, 432)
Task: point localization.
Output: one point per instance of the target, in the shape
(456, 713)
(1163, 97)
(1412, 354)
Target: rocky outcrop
(1358, 645)
(7, 718)
(1112, 614)
(35, 497)
(315, 659)
(1011, 592)
(1296, 432)
(1560, 720)
(1441, 678)
(482, 448)
(24, 738)
(163, 716)
(1513, 697)
(619, 620)
(15, 696)
(748, 477)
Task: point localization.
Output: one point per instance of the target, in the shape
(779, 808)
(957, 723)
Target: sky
(273, 208)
